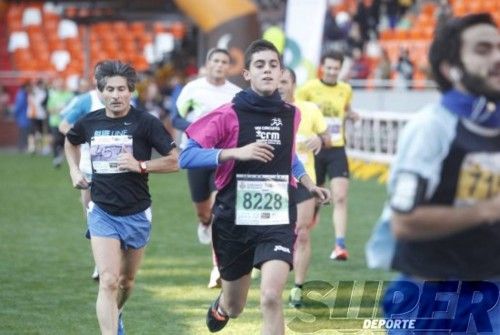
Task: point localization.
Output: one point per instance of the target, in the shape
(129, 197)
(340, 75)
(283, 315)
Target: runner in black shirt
(121, 139)
(251, 141)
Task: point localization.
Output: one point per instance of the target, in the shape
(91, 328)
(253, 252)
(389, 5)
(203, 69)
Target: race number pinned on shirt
(334, 125)
(104, 152)
(261, 200)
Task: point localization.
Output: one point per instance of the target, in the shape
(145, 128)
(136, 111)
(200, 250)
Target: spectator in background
(21, 116)
(403, 6)
(355, 38)
(331, 31)
(362, 18)
(4, 102)
(383, 71)
(37, 113)
(58, 97)
(392, 12)
(443, 12)
(405, 69)
(360, 67)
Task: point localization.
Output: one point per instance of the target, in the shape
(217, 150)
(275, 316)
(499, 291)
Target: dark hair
(214, 51)
(112, 68)
(332, 55)
(447, 43)
(293, 75)
(257, 46)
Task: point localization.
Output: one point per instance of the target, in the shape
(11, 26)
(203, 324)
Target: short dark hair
(214, 51)
(257, 46)
(447, 43)
(293, 75)
(112, 68)
(332, 55)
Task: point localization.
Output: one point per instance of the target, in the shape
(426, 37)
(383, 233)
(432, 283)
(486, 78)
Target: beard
(478, 85)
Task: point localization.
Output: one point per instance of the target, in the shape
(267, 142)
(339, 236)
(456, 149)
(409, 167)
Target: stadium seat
(163, 43)
(18, 40)
(32, 16)
(60, 59)
(178, 29)
(67, 29)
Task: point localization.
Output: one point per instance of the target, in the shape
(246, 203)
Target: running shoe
(339, 254)
(57, 161)
(121, 326)
(204, 233)
(95, 274)
(295, 299)
(215, 281)
(215, 320)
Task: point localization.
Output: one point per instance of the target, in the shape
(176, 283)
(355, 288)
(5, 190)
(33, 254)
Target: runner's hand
(127, 162)
(256, 151)
(314, 144)
(78, 179)
(321, 194)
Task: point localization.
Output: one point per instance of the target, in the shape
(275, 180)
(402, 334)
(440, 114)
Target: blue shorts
(445, 307)
(133, 231)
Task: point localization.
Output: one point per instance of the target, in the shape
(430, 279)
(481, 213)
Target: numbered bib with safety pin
(104, 152)
(261, 200)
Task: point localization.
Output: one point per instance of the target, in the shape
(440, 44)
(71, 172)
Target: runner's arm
(164, 164)
(73, 157)
(300, 174)
(177, 120)
(195, 156)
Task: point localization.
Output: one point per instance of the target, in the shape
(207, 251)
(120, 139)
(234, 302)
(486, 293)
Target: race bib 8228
(261, 200)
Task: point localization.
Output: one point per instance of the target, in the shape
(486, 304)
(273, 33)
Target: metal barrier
(373, 138)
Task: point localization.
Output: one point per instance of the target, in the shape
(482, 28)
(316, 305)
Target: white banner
(305, 20)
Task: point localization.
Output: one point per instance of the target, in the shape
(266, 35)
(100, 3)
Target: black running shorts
(240, 248)
(302, 194)
(331, 161)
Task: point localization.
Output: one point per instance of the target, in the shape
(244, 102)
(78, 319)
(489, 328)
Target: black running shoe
(216, 321)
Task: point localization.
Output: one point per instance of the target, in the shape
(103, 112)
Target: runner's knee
(126, 282)
(339, 198)
(270, 299)
(302, 236)
(108, 281)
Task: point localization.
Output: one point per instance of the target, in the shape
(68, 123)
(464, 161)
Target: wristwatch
(143, 167)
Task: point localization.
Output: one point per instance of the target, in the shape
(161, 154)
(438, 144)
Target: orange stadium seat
(107, 39)
(428, 9)
(178, 29)
(387, 35)
(137, 28)
(460, 8)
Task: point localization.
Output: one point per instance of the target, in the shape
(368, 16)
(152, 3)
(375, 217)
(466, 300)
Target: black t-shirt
(120, 193)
